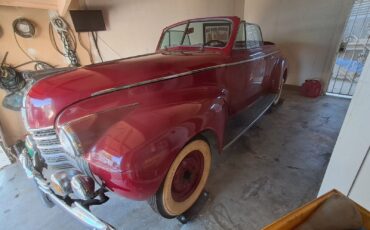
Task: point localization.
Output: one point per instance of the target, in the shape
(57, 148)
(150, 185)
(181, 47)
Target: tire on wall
(184, 181)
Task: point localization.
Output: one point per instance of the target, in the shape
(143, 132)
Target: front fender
(130, 142)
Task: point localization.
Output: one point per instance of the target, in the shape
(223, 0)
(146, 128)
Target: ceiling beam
(37, 4)
(61, 6)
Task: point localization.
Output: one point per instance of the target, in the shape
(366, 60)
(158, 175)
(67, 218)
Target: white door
(349, 167)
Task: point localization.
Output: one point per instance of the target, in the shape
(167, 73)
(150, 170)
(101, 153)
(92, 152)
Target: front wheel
(184, 181)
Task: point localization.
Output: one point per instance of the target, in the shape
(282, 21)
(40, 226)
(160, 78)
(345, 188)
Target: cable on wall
(39, 65)
(88, 49)
(10, 79)
(67, 37)
(25, 28)
(95, 39)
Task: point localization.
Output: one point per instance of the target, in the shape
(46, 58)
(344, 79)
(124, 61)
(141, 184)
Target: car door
(246, 77)
(255, 50)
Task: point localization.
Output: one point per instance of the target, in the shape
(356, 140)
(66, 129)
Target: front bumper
(75, 208)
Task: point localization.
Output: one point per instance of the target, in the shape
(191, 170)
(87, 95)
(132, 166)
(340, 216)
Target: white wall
(134, 27)
(308, 32)
(344, 169)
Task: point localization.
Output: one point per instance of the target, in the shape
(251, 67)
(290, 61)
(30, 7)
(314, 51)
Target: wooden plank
(63, 6)
(37, 4)
(298, 216)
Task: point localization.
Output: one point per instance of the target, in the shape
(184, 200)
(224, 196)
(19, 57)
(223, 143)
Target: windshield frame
(188, 22)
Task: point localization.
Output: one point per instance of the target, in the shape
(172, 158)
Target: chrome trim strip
(56, 155)
(75, 141)
(49, 146)
(41, 129)
(249, 126)
(178, 75)
(121, 59)
(51, 137)
(198, 20)
(60, 164)
(43, 184)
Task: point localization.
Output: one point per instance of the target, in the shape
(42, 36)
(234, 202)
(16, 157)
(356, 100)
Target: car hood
(50, 95)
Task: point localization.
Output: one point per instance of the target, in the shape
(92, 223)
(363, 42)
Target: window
(240, 42)
(254, 37)
(212, 33)
(173, 36)
(248, 36)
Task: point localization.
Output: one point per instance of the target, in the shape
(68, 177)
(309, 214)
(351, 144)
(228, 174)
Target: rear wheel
(184, 181)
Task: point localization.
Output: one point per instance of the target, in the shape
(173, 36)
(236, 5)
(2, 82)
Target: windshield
(212, 33)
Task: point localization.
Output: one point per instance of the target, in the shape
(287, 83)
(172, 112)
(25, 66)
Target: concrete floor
(274, 168)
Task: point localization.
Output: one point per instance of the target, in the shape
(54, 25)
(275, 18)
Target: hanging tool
(67, 37)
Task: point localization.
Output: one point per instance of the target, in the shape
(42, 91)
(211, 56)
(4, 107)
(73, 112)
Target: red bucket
(311, 88)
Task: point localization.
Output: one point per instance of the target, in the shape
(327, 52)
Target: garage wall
(308, 32)
(38, 47)
(134, 27)
(349, 166)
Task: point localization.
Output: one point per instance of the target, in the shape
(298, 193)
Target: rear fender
(278, 73)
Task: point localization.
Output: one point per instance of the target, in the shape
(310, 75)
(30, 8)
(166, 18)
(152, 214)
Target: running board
(241, 122)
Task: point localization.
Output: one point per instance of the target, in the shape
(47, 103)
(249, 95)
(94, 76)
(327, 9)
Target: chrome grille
(51, 150)
(48, 142)
(44, 134)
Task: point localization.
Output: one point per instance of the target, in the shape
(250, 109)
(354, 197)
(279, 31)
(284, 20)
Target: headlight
(83, 186)
(69, 143)
(60, 181)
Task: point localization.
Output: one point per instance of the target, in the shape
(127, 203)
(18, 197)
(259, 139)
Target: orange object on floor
(298, 216)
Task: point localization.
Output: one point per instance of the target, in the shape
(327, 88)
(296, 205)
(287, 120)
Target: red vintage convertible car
(146, 127)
